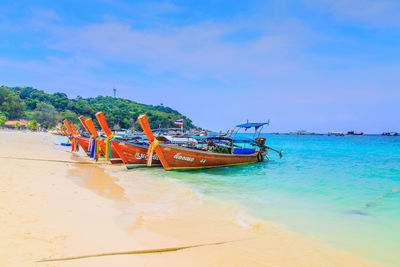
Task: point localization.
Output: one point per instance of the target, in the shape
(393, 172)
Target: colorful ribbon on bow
(108, 141)
(150, 152)
(74, 144)
(90, 143)
(95, 148)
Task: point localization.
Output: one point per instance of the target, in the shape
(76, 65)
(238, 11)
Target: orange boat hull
(115, 158)
(175, 158)
(83, 143)
(136, 155)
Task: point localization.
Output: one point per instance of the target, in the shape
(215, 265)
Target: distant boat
(335, 134)
(302, 132)
(354, 133)
(390, 134)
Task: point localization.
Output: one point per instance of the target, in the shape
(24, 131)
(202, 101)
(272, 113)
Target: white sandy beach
(53, 208)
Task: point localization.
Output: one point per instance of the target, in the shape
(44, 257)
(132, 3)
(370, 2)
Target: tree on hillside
(33, 125)
(11, 104)
(117, 110)
(3, 119)
(125, 123)
(72, 117)
(46, 115)
(116, 127)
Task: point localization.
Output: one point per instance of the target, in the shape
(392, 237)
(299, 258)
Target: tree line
(50, 109)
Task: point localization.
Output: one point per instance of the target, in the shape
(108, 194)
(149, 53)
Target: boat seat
(219, 149)
(244, 151)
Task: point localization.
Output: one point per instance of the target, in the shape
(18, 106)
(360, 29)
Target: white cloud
(275, 73)
(190, 51)
(377, 13)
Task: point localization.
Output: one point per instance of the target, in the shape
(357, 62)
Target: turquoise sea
(336, 189)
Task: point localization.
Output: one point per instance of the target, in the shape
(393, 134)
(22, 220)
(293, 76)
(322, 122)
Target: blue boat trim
(209, 153)
(146, 147)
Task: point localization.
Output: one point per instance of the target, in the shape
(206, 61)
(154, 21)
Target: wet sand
(51, 207)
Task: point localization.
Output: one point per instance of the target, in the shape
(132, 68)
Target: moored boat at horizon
(335, 134)
(218, 151)
(354, 133)
(390, 134)
(301, 132)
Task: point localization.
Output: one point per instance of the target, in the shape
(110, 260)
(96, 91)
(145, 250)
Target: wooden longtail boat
(83, 141)
(59, 132)
(74, 136)
(65, 132)
(110, 148)
(134, 153)
(174, 157)
(114, 157)
(95, 153)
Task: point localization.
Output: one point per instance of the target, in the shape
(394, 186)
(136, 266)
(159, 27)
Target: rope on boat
(95, 149)
(49, 160)
(74, 144)
(145, 251)
(108, 141)
(150, 152)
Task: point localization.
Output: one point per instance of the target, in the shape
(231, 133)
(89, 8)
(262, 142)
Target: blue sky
(319, 65)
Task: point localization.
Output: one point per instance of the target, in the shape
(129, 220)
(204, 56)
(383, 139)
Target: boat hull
(83, 143)
(115, 157)
(180, 158)
(136, 155)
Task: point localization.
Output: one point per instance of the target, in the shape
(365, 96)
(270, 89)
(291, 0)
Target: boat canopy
(233, 139)
(256, 125)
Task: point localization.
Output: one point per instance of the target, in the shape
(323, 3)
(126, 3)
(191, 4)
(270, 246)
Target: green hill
(29, 103)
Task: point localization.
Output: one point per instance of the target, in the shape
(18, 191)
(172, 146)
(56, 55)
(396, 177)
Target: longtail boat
(65, 133)
(133, 152)
(100, 146)
(217, 152)
(94, 141)
(72, 136)
(111, 151)
(82, 140)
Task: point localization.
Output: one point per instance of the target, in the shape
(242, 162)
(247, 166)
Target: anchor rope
(379, 198)
(49, 160)
(145, 251)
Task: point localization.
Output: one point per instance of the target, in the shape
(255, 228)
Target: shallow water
(327, 187)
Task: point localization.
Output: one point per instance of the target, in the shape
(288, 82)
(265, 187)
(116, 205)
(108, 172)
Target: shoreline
(48, 212)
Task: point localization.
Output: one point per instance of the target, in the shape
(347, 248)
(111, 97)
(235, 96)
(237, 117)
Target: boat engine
(260, 141)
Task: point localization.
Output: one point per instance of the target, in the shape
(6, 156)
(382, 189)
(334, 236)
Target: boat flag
(179, 122)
